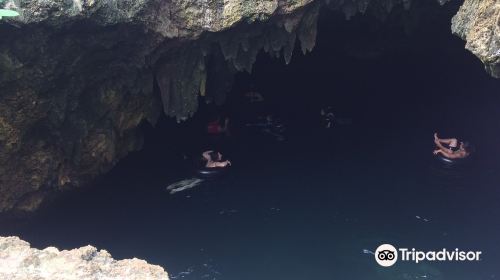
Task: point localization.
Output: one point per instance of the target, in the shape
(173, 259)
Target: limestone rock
(77, 78)
(478, 23)
(20, 262)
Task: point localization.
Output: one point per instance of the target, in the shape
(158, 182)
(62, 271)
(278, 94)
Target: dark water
(306, 208)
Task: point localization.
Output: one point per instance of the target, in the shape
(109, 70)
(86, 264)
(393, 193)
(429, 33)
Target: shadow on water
(308, 207)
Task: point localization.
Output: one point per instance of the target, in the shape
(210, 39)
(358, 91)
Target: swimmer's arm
(218, 164)
(438, 151)
(454, 155)
(442, 148)
(222, 164)
(448, 154)
(460, 154)
(448, 141)
(206, 155)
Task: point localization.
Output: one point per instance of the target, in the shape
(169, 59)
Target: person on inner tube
(451, 148)
(328, 116)
(254, 97)
(213, 160)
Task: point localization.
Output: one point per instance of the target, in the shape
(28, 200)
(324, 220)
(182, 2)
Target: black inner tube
(210, 172)
(445, 159)
(450, 161)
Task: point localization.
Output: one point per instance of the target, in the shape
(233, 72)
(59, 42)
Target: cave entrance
(401, 73)
(316, 205)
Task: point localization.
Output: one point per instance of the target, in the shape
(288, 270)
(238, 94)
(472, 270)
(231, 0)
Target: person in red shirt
(215, 127)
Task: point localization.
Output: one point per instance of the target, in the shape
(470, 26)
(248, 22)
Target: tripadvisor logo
(387, 255)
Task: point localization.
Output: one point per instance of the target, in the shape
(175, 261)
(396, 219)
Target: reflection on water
(183, 185)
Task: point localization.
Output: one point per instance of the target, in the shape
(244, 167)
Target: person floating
(271, 126)
(215, 127)
(451, 148)
(214, 159)
(254, 97)
(328, 116)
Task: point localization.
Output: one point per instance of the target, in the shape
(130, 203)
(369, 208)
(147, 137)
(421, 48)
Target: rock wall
(78, 77)
(478, 23)
(19, 262)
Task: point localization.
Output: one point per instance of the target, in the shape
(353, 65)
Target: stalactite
(351, 7)
(179, 78)
(182, 75)
(187, 73)
(220, 76)
(308, 30)
(289, 47)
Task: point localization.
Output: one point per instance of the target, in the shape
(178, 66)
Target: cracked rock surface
(18, 261)
(478, 23)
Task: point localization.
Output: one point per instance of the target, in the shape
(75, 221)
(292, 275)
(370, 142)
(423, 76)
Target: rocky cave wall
(77, 77)
(19, 261)
(478, 23)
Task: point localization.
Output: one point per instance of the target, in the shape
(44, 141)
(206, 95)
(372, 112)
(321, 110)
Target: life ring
(210, 172)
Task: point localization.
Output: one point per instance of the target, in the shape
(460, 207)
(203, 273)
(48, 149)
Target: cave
(103, 126)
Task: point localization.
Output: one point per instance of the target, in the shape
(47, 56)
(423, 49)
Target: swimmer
(328, 116)
(215, 127)
(213, 159)
(451, 148)
(254, 97)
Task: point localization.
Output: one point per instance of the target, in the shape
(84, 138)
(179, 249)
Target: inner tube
(210, 173)
(449, 161)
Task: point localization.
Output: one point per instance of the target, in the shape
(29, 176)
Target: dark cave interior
(403, 71)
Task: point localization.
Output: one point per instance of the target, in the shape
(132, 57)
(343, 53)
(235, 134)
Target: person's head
(466, 147)
(215, 156)
(455, 144)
